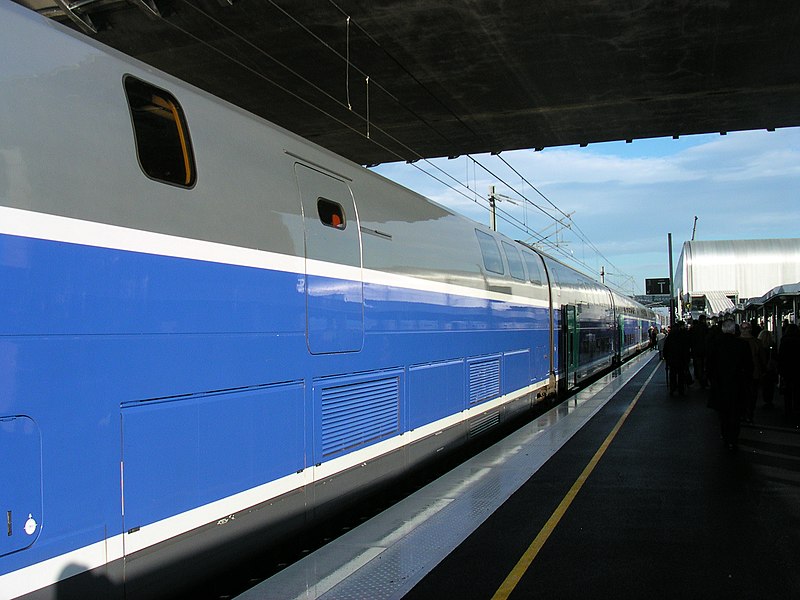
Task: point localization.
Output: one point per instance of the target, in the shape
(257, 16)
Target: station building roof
(789, 290)
(385, 80)
(741, 268)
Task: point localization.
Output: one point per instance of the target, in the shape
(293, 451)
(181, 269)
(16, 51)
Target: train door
(334, 289)
(571, 344)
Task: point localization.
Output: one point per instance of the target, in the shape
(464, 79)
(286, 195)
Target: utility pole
(494, 198)
(671, 284)
(492, 210)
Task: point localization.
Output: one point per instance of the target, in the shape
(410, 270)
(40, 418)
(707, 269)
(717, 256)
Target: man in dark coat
(699, 337)
(730, 369)
(677, 353)
(789, 368)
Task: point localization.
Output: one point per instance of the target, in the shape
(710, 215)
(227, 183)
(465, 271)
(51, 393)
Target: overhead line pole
(671, 284)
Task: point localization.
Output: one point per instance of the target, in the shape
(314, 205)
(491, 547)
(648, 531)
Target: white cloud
(746, 156)
(627, 197)
(560, 167)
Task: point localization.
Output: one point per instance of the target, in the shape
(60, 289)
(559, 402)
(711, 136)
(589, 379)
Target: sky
(626, 198)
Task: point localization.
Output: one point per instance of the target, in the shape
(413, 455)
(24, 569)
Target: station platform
(620, 491)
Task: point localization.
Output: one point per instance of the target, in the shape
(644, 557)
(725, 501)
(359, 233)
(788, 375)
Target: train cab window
(491, 252)
(162, 139)
(331, 213)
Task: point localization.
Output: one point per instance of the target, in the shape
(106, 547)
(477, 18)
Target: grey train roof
(747, 268)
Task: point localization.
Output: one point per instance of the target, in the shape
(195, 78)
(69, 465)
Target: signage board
(656, 286)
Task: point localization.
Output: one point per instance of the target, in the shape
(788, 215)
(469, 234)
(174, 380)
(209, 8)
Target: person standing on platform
(755, 327)
(769, 361)
(714, 331)
(651, 335)
(751, 387)
(730, 369)
(699, 337)
(789, 368)
(662, 335)
(677, 353)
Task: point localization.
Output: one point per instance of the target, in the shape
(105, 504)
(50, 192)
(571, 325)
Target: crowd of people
(736, 364)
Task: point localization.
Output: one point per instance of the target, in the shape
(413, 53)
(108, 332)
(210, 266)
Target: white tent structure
(713, 276)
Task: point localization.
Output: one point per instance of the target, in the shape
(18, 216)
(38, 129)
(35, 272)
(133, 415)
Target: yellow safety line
(524, 563)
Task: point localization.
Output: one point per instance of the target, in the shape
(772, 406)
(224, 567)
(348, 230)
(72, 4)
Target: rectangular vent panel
(357, 414)
(483, 423)
(484, 380)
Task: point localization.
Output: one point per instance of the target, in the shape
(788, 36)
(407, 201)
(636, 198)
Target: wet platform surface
(667, 510)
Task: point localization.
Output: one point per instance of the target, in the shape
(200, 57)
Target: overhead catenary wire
(321, 91)
(347, 66)
(262, 76)
(412, 152)
(541, 238)
(350, 22)
(294, 94)
(505, 215)
(579, 231)
(369, 125)
(411, 75)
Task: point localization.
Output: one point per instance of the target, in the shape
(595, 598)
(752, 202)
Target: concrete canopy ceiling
(387, 80)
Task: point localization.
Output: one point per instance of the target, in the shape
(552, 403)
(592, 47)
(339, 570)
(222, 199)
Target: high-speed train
(211, 330)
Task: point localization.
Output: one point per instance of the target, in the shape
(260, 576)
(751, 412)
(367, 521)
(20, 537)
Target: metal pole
(493, 214)
(671, 284)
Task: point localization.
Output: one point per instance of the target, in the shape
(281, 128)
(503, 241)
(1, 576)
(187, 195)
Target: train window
(162, 139)
(533, 262)
(491, 253)
(514, 261)
(331, 213)
(567, 278)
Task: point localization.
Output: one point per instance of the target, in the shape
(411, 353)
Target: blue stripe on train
(204, 370)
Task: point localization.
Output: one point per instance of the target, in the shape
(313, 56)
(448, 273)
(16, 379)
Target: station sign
(656, 286)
